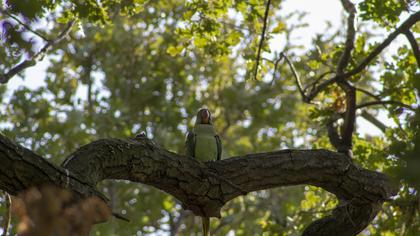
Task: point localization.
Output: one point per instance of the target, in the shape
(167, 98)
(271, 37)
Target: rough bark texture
(205, 187)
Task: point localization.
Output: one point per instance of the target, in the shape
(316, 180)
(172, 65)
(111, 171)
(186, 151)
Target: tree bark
(204, 188)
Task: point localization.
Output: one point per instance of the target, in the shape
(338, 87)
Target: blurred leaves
(148, 66)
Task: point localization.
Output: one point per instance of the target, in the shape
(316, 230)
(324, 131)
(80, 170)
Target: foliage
(133, 66)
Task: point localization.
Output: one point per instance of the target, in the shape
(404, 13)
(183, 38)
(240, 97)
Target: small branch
(401, 29)
(314, 83)
(32, 61)
(276, 64)
(314, 92)
(267, 9)
(376, 97)
(372, 119)
(27, 27)
(297, 78)
(373, 103)
(414, 45)
(8, 217)
(351, 32)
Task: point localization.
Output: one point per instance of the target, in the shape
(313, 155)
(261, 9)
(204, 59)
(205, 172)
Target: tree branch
(389, 102)
(27, 27)
(267, 9)
(316, 81)
(21, 168)
(401, 29)
(370, 94)
(372, 119)
(297, 78)
(315, 91)
(333, 135)
(414, 45)
(32, 61)
(360, 191)
(349, 117)
(351, 32)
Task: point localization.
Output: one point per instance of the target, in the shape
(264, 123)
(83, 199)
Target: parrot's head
(204, 117)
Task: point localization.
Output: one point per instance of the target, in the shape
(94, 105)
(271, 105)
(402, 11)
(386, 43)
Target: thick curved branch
(4, 78)
(20, 168)
(205, 187)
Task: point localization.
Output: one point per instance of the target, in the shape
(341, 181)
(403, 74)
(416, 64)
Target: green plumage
(204, 144)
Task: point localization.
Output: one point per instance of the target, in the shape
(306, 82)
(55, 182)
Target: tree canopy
(293, 115)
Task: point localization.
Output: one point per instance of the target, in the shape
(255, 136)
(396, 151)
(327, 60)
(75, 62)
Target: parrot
(204, 144)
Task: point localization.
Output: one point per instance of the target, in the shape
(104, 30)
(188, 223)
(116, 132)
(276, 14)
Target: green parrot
(204, 144)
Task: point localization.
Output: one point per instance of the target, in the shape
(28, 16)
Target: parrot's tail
(206, 225)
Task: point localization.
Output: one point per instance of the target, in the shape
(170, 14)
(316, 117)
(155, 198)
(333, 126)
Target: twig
(32, 61)
(295, 74)
(27, 27)
(414, 45)
(314, 83)
(267, 8)
(390, 102)
(376, 97)
(314, 92)
(401, 29)
(8, 217)
(276, 64)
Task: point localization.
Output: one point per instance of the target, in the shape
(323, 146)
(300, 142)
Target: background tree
(120, 67)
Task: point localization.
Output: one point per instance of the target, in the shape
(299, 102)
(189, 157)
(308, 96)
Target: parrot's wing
(190, 144)
(219, 147)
